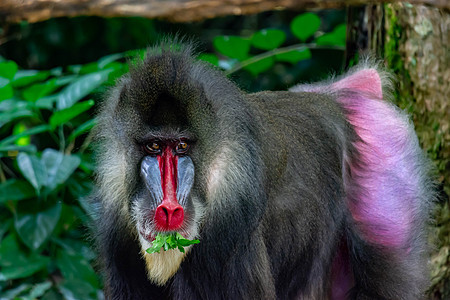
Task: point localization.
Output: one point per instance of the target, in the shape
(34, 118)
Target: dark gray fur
(273, 225)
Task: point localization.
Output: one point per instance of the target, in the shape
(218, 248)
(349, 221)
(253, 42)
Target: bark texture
(171, 10)
(416, 47)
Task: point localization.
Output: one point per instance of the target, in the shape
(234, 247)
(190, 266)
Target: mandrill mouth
(148, 230)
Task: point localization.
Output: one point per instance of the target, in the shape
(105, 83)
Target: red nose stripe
(169, 214)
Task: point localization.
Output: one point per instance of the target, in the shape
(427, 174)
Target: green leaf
(6, 117)
(118, 70)
(6, 90)
(76, 267)
(13, 104)
(80, 88)
(39, 90)
(74, 68)
(75, 247)
(35, 228)
(4, 227)
(10, 252)
(294, 56)
(341, 31)
(8, 69)
(260, 66)
(12, 109)
(15, 263)
(335, 38)
(28, 132)
(170, 241)
(15, 190)
(4, 82)
(26, 77)
(305, 25)
(104, 61)
(54, 294)
(38, 290)
(232, 46)
(21, 140)
(13, 293)
(89, 68)
(185, 242)
(157, 244)
(64, 80)
(57, 71)
(32, 169)
(80, 185)
(68, 220)
(88, 125)
(46, 102)
(329, 39)
(15, 149)
(209, 57)
(76, 289)
(268, 39)
(22, 271)
(59, 166)
(67, 114)
(156, 247)
(138, 53)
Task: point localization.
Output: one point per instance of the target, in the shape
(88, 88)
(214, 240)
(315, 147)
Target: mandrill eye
(182, 148)
(152, 148)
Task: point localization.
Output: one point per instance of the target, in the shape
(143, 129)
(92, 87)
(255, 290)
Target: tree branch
(12, 11)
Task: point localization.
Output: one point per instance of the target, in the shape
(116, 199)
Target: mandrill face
(153, 161)
(168, 176)
(164, 203)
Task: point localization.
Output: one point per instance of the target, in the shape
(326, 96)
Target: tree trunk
(414, 42)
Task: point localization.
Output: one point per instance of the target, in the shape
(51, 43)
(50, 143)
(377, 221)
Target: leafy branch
(277, 52)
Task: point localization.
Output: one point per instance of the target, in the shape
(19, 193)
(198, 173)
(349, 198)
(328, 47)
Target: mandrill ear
(366, 81)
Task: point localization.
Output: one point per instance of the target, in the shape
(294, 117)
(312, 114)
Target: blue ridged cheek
(185, 178)
(151, 175)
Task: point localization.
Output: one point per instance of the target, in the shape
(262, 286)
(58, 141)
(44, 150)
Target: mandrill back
(321, 192)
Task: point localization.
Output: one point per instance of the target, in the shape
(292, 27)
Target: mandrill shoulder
(307, 131)
(295, 109)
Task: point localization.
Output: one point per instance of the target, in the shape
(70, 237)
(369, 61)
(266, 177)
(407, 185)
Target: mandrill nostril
(169, 216)
(166, 215)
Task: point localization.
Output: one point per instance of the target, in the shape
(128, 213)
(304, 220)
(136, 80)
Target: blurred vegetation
(67, 41)
(45, 174)
(53, 74)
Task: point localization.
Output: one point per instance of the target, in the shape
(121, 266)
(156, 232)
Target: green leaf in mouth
(170, 241)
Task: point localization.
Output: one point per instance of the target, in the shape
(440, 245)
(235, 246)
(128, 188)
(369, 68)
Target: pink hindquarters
(386, 199)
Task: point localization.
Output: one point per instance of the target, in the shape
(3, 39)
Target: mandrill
(320, 192)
